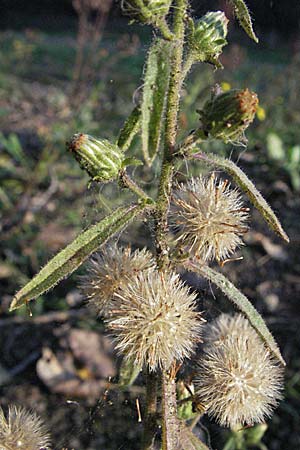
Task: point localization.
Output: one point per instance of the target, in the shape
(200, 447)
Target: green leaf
(248, 187)
(243, 15)
(128, 373)
(72, 256)
(188, 441)
(130, 129)
(156, 81)
(241, 301)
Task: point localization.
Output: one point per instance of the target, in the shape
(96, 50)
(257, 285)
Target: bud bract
(146, 11)
(99, 157)
(208, 36)
(227, 115)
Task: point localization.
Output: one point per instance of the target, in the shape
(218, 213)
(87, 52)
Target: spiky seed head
(228, 114)
(22, 429)
(207, 36)
(238, 379)
(101, 159)
(108, 270)
(208, 218)
(156, 321)
(146, 11)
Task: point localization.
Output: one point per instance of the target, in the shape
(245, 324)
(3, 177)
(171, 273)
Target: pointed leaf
(248, 187)
(128, 373)
(130, 129)
(188, 441)
(72, 256)
(243, 15)
(156, 80)
(241, 301)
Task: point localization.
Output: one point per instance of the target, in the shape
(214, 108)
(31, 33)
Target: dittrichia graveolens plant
(152, 314)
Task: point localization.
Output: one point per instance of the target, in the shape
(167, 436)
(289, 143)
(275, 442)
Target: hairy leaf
(248, 187)
(130, 129)
(156, 80)
(188, 441)
(72, 256)
(241, 301)
(243, 15)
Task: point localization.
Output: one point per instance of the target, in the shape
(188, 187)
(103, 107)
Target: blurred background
(76, 65)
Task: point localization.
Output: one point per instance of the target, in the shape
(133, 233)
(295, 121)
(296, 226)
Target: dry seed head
(156, 321)
(208, 217)
(239, 381)
(110, 269)
(22, 430)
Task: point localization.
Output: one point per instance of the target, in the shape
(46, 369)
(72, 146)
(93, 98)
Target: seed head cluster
(208, 217)
(156, 321)
(239, 381)
(109, 270)
(22, 430)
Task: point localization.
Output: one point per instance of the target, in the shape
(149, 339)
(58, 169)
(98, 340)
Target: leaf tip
(15, 304)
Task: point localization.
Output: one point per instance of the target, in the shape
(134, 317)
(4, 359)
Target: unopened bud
(99, 157)
(146, 11)
(208, 36)
(228, 114)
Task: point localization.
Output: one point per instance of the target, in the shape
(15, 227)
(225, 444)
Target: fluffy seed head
(156, 321)
(22, 429)
(239, 381)
(208, 217)
(109, 270)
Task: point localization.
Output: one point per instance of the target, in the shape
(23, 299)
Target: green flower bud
(146, 11)
(207, 36)
(99, 157)
(227, 115)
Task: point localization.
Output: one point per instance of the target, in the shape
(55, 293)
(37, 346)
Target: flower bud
(100, 158)
(228, 114)
(146, 11)
(207, 36)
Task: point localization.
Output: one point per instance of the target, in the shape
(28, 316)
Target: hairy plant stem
(170, 425)
(163, 27)
(128, 182)
(172, 107)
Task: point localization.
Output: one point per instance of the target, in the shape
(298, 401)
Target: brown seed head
(238, 379)
(208, 217)
(108, 270)
(22, 430)
(156, 321)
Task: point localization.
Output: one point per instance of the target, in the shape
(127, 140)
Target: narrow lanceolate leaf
(72, 256)
(156, 81)
(243, 16)
(128, 373)
(241, 301)
(130, 129)
(188, 441)
(248, 187)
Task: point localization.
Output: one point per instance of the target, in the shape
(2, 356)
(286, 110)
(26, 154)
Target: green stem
(128, 182)
(170, 424)
(150, 426)
(190, 60)
(175, 76)
(164, 29)
(172, 107)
